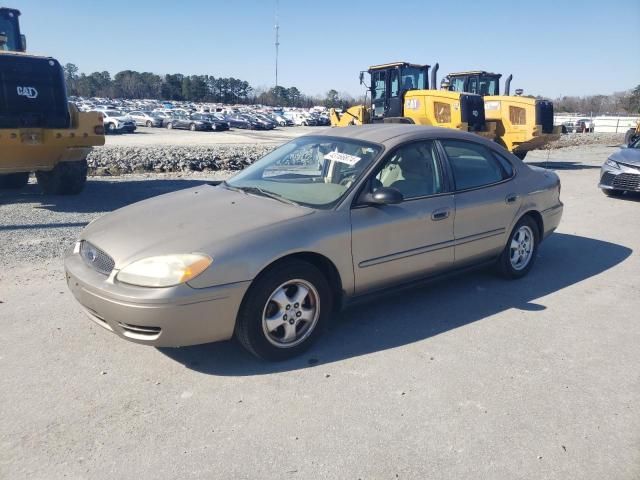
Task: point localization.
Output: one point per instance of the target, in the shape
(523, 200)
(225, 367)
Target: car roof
(397, 132)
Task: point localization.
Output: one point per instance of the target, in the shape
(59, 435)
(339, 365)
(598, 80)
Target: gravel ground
(473, 377)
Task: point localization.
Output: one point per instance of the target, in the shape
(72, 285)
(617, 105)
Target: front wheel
(67, 178)
(192, 127)
(519, 254)
(111, 128)
(149, 123)
(284, 311)
(169, 126)
(14, 181)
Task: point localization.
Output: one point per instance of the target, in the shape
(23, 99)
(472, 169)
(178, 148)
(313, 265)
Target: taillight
(99, 130)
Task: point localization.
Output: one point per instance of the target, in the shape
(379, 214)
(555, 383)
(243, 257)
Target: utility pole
(277, 27)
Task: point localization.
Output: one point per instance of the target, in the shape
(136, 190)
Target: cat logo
(29, 92)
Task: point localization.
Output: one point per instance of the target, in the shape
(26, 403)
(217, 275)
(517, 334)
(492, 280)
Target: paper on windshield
(350, 160)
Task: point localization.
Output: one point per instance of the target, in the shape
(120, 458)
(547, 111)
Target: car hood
(197, 219)
(629, 156)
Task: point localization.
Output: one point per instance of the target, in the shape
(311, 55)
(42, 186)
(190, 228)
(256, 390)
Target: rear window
(33, 93)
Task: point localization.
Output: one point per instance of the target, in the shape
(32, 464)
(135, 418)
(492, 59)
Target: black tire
(192, 127)
(67, 178)
(505, 265)
(249, 324)
(609, 192)
(169, 126)
(149, 123)
(110, 128)
(520, 154)
(14, 181)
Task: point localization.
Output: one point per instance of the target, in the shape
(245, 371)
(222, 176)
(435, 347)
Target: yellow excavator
(403, 92)
(522, 123)
(40, 131)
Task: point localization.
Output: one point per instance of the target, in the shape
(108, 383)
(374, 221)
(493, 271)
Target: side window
(472, 164)
(394, 83)
(413, 170)
(506, 164)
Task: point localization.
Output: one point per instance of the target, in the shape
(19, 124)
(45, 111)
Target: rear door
(396, 243)
(486, 200)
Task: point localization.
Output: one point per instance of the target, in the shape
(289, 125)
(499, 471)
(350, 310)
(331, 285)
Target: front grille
(544, 115)
(140, 332)
(472, 111)
(627, 181)
(96, 258)
(607, 178)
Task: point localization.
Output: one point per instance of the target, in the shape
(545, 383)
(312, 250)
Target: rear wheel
(192, 127)
(110, 127)
(520, 252)
(149, 123)
(67, 178)
(14, 181)
(284, 311)
(169, 126)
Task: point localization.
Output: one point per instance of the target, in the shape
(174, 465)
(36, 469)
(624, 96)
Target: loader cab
(478, 82)
(10, 38)
(389, 83)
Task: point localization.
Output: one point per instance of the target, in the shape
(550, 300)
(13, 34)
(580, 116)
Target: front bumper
(161, 317)
(626, 178)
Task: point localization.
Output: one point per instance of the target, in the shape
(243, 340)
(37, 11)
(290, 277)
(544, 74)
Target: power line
(277, 27)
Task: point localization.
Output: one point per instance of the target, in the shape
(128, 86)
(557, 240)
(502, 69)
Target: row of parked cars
(117, 121)
(582, 125)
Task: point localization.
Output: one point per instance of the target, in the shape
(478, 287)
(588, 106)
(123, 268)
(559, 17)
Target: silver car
(271, 254)
(146, 119)
(621, 171)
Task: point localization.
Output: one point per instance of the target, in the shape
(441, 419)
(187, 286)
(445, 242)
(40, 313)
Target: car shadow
(402, 318)
(98, 196)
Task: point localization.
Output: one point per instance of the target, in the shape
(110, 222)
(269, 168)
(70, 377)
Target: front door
(396, 243)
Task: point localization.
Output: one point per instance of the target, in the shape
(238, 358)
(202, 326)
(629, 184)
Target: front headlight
(611, 163)
(492, 105)
(164, 271)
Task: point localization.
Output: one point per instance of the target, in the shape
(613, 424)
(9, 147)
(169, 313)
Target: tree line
(616, 103)
(131, 84)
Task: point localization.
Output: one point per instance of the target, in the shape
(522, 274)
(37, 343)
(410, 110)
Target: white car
(117, 122)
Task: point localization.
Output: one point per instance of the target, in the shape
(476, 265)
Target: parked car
(187, 123)
(584, 125)
(237, 121)
(269, 123)
(568, 127)
(117, 122)
(322, 220)
(254, 123)
(146, 119)
(217, 125)
(620, 173)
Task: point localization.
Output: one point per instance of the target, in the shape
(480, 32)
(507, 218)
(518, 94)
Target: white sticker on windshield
(343, 158)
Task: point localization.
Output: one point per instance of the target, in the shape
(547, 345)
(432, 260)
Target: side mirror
(23, 41)
(361, 78)
(383, 196)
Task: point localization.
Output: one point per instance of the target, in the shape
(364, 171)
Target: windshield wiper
(261, 192)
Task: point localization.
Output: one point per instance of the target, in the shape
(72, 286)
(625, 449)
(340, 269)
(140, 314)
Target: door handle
(440, 214)
(511, 198)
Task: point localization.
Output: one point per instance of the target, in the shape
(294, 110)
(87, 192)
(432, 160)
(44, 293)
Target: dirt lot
(473, 377)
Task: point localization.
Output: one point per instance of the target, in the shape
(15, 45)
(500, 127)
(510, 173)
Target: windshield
(413, 79)
(9, 29)
(312, 171)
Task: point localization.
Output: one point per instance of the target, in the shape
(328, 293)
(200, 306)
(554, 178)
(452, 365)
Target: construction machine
(40, 131)
(403, 92)
(522, 123)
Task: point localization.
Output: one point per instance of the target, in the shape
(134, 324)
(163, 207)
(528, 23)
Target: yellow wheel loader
(522, 123)
(400, 93)
(40, 131)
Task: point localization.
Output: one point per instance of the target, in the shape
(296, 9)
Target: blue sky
(552, 47)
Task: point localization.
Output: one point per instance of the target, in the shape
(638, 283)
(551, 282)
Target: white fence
(602, 124)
